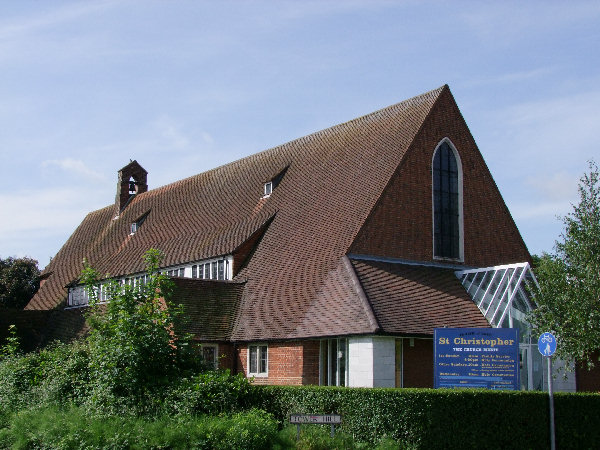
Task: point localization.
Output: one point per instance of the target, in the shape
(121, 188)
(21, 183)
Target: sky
(186, 86)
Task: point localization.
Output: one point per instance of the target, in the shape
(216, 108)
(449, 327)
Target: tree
(568, 297)
(133, 341)
(19, 281)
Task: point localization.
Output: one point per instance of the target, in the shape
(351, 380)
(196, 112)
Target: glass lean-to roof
(502, 294)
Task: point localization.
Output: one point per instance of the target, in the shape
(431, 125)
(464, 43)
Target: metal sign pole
(547, 347)
(550, 393)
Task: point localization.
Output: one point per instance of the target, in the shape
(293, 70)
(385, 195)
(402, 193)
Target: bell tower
(132, 181)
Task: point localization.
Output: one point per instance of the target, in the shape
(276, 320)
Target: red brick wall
(131, 170)
(400, 225)
(289, 363)
(310, 370)
(588, 380)
(225, 356)
(418, 363)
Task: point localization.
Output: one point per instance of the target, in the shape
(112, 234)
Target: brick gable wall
(400, 225)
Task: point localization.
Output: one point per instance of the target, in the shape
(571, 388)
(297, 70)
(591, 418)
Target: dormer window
(135, 226)
(274, 182)
(268, 188)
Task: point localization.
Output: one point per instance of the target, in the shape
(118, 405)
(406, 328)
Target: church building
(327, 260)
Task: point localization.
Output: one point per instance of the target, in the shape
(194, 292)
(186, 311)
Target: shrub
(75, 428)
(54, 375)
(212, 392)
(427, 418)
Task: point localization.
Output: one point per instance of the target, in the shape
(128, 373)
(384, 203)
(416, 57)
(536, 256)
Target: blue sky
(185, 86)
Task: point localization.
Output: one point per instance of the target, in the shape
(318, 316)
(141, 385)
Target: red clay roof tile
(297, 283)
(414, 299)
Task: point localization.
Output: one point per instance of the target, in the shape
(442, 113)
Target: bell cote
(132, 181)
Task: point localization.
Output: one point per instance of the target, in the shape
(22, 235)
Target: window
(221, 271)
(195, 271)
(273, 182)
(447, 203)
(334, 362)
(257, 359)
(135, 226)
(268, 188)
(210, 355)
(78, 296)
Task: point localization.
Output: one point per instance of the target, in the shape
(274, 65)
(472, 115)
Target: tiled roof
(296, 281)
(414, 299)
(210, 307)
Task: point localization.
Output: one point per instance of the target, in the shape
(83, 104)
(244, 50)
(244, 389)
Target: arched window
(447, 202)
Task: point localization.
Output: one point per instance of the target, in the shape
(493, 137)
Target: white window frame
(268, 189)
(226, 262)
(256, 348)
(77, 297)
(461, 243)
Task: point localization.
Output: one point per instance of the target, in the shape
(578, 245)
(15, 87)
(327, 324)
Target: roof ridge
(305, 138)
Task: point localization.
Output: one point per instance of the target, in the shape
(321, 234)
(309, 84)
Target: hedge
(426, 418)
(75, 428)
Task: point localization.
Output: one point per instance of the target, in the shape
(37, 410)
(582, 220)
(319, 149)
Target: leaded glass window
(446, 204)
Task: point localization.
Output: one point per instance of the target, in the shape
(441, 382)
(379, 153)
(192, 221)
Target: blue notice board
(476, 358)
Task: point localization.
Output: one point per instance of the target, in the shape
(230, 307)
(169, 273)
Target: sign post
(327, 419)
(547, 347)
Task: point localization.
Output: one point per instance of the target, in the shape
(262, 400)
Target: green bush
(212, 392)
(54, 375)
(60, 375)
(427, 418)
(74, 427)
(136, 349)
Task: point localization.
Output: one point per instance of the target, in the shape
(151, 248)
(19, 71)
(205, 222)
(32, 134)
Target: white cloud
(14, 28)
(171, 131)
(206, 137)
(43, 210)
(504, 23)
(540, 211)
(557, 187)
(74, 166)
(550, 136)
(510, 77)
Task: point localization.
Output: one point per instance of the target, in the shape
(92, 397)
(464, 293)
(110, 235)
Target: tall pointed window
(447, 203)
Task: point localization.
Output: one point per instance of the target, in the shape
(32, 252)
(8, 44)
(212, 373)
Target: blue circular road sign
(547, 344)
